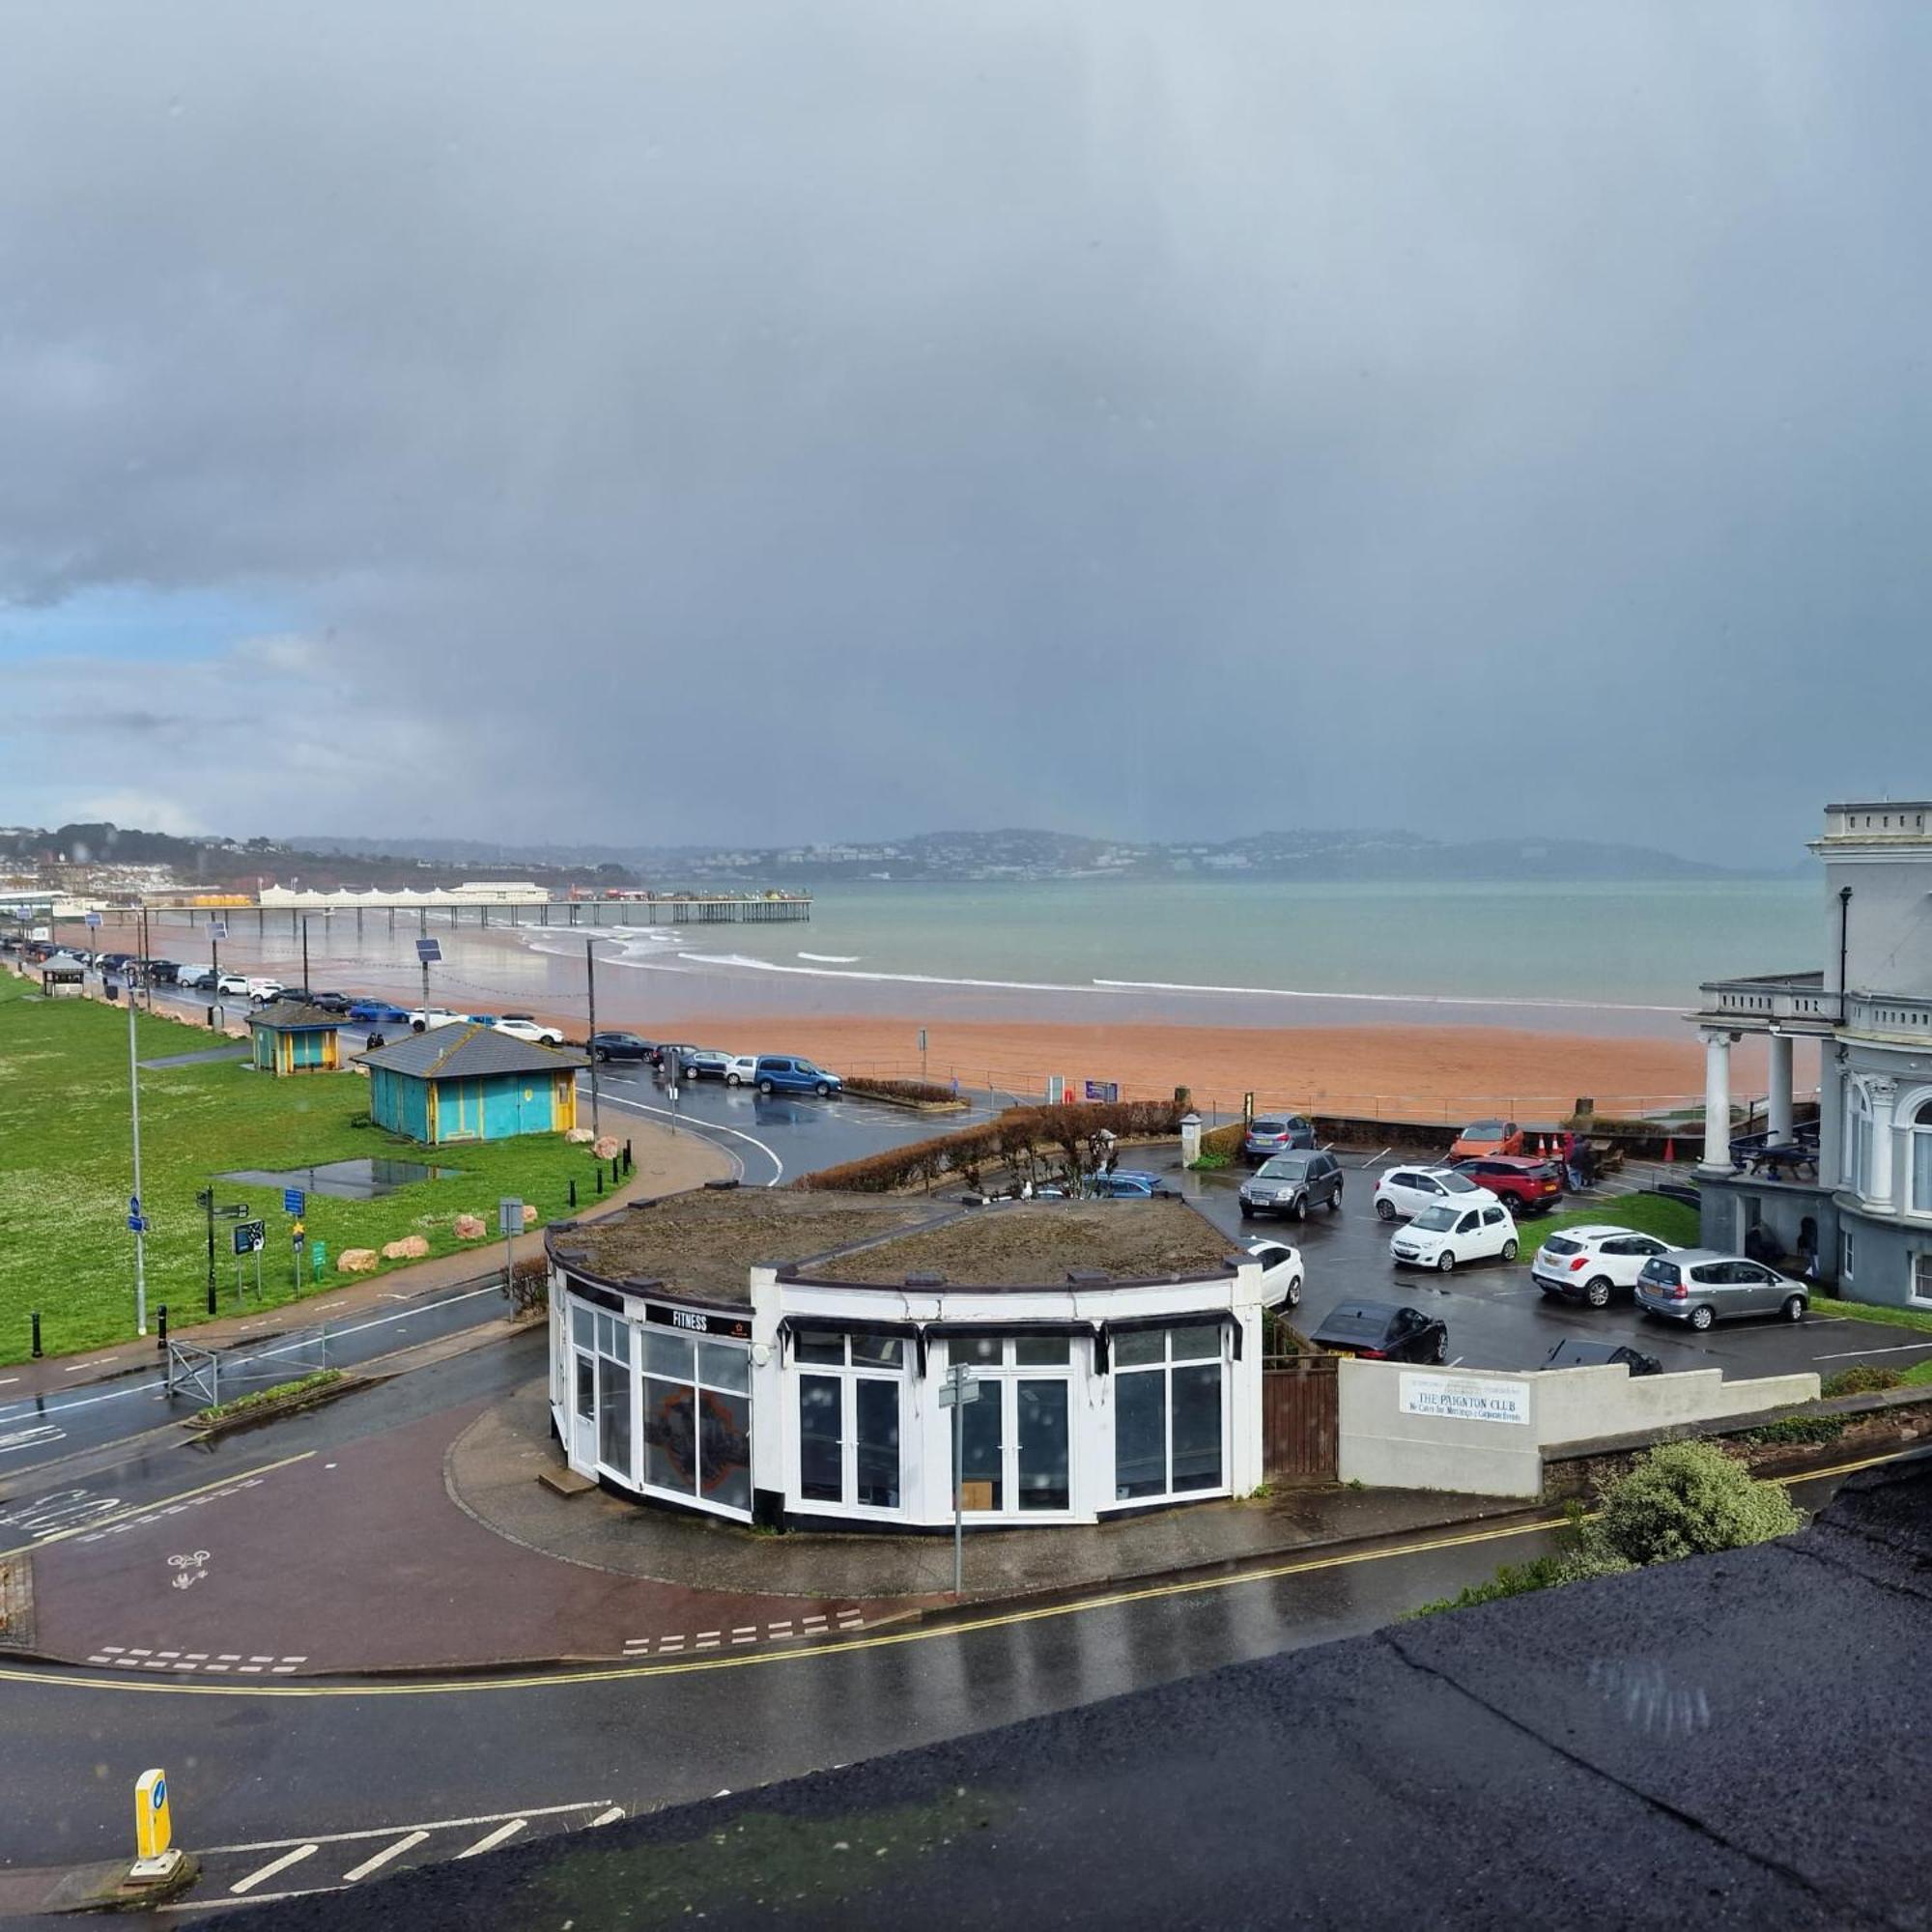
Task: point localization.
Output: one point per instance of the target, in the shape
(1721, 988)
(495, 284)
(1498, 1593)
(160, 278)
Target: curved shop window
(1170, 1412)
(697, 1419)
(1918, 1140)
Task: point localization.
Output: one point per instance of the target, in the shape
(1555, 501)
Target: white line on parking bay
(1901, 1349)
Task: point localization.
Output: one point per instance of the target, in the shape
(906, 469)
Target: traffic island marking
(743, 1633)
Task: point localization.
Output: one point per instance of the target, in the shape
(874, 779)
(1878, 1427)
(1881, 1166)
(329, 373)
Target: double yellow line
(555, 1679)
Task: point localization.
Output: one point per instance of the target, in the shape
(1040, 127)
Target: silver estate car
(1701, 1286)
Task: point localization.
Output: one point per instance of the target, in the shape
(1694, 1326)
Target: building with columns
(1865, 1216)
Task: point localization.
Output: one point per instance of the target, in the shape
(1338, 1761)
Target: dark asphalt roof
(1736, 1740)
(286, 1016)
(460, 1052)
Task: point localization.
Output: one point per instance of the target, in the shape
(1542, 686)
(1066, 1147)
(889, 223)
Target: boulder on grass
(411, 1248)
(357, 1261)
(529, 1216)
(608, 1147)
(470, 1228)
(578, 1136)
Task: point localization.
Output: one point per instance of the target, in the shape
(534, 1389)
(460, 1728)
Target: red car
(1531, 1186)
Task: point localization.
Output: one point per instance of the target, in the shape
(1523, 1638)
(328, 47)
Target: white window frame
(1858, 1138)
(1165, 1368)
(1073, 1372)
(1916, 1124)
(641, 1375)
(1919, 1276)
(847, 1373)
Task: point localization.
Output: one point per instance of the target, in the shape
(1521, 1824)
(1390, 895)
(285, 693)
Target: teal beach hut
(466, 1082)
(290, 1039)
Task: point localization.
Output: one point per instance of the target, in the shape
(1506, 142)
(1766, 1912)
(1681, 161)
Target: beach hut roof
(288, 1016)
(459, 1052)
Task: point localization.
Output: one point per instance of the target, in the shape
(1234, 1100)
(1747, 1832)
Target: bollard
(629, 1163)
(210, 1294)
(161, 1328)
(615, 1177)
(37, 1334)
(573, 1191)
(600, 1180)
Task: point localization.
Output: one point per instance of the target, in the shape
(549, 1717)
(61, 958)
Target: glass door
(1041, 1473)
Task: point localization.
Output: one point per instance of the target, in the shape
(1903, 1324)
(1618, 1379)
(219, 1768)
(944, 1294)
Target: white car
(262, 991)
(195, 976)
(1403, 1191)
(1594, 1264)
(231, 982)
(742, 1070)
(426, 1020)
(1445, 1237)
(1281, 1273)
(519, 1026)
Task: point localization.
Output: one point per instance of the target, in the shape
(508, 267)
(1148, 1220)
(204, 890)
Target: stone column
(1883, 1099)
(1781, 1089)
(1718, 1101)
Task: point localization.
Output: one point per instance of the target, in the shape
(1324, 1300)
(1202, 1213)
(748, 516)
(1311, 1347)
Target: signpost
(428, 952)
(293, 1201)
(1103, 1090)
(960, 1386)
(921, 1053)
(298, 1234)
(155, 1856)
(250, 1238)
(509, 1224)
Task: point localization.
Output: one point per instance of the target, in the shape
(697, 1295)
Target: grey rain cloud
(770, 421)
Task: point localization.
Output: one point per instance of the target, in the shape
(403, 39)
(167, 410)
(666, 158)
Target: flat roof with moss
(1037, 1244)
(702, 1245)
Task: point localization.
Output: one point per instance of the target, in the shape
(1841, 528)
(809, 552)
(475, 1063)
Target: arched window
(1858, 1138)
(1920, 1163)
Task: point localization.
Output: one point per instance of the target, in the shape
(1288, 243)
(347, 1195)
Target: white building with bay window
(1860, 1215)
(777, 1357)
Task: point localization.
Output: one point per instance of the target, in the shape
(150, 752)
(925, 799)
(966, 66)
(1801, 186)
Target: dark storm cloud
(766, 422)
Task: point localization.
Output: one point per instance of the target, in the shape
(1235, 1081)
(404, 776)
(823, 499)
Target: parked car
(1530, 1186)
(161, 972)
(1445, 1237)
(1488, 1137)
(1594, 1263)
(233, 983)
(1126, 1183)
(1704, 1285)
(743, 1070)
(378, 1013)
(195, 976)
(620, 1047)
(706, 1063)
(260, 988)
(670, 1054)
(1275, 1133)
(1403, 1191)
(426, 1019)
(785, 1073)
(287, 996)
(1382, 1331)
(329, 1003)
(1292, 1183)
(532, 1031)
(1281, 1273)
(1580, 1353)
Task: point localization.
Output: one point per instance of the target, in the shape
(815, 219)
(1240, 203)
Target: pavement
(1668, 1746)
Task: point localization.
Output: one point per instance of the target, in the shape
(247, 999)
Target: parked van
(784, 1073)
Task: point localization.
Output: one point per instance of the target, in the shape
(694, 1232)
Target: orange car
(1489, 1137)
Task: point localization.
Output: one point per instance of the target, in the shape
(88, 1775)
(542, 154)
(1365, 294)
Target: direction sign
(955, 1394)
(249, 1236)
(429, 952)
(1103, 1090)
(509, 1216)
(137, 1224)
(292, 1200)
(92, 918)
(219, 930)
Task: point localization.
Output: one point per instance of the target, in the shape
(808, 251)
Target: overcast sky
(648, 422)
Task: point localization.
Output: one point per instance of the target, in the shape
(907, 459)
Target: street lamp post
(136, 1215)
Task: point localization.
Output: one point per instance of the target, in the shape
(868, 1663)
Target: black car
(329, 1003)
(1382, 1331)
(670, 1053)
(1586, 1354)
(622, 1046)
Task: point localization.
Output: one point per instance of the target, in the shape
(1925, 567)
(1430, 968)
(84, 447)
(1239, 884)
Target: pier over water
(425, 915)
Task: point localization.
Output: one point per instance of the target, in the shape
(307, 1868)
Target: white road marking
(275, 1865)
(703, 1126)
(425, 1825)
(31, 1438)
(489, 1841)
(1902, 1348)
(609, 1818)
(383, 1858)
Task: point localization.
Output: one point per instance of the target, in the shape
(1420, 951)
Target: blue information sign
(291, 1199)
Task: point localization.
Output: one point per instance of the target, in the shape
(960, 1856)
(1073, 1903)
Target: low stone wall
(1481, 1432)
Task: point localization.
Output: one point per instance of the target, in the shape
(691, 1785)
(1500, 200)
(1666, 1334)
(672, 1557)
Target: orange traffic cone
(1669, 1152)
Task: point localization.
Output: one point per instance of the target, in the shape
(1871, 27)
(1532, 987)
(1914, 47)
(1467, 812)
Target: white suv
(1594, 1264)
(1281, 1273)
(519, 1026)
(1445, 1237)
(1403, 1191)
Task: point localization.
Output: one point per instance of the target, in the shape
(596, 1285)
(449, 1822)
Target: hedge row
(1018, 1136)
(926, 1092)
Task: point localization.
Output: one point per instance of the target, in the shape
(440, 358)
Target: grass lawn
(66, 1171)
(1648, 1214)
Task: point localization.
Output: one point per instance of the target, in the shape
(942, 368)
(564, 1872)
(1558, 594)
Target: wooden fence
(1298, 1419)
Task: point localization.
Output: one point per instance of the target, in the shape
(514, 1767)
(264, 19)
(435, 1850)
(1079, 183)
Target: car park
(786, 1074)
(1596, 1264)
(1275, 1133)
(1701, 1286)
(1383, 1331)
(377, 1012)
(620, 1047)
(1447, 1236)
(743, 1069)
(1530, 1185)
(1403, 1191)
(534, 1032)
(1481, 1137)
(1282, 1273)
(706, 1063)
(1579, 1351)
(1292, 1183)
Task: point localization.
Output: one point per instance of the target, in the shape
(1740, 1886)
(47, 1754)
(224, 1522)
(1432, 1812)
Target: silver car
(1701, 1286)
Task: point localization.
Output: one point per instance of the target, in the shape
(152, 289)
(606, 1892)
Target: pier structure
(793, 909)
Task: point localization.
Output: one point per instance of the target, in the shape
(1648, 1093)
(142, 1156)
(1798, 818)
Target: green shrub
(927, 1092)
(261, 1398)
(1575, 1565)
(1687, 1499)
(1862, 1379)
(1281, 1337)
(1212, 1163)
(1225, 1140)
(1796, 1429)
